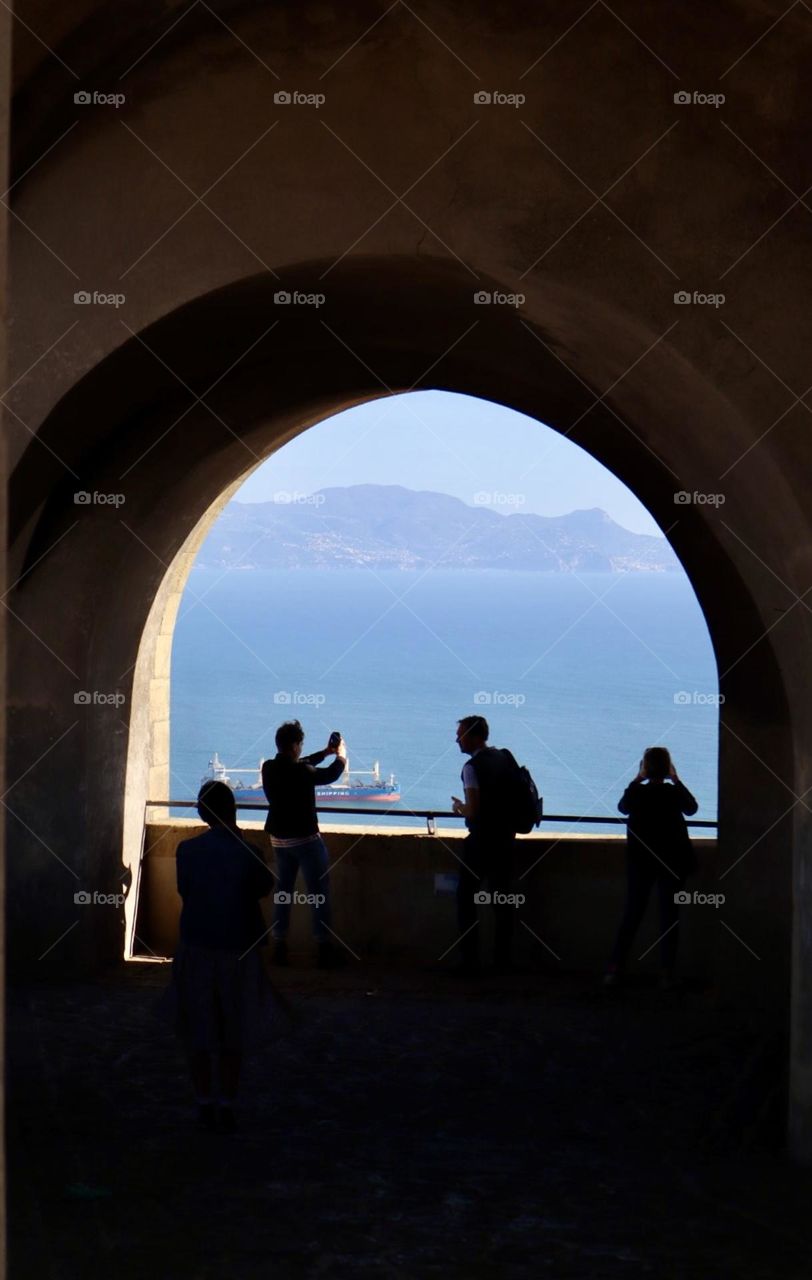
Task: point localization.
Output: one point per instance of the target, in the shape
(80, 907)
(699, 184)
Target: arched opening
(275, 376)
(575, 686)
(365, 572)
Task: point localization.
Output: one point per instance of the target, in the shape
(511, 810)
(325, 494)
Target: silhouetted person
(289, 782)
(487, 858)
(658, 852)
(223, 1000)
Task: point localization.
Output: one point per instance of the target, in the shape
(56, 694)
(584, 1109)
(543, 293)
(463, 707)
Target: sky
(475, 450)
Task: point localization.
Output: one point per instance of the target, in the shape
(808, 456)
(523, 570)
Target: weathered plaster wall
(399, 197)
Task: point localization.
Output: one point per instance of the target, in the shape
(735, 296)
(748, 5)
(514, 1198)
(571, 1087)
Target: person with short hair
(658, 852)
(220, 996)
(488, 851)
(289, 782)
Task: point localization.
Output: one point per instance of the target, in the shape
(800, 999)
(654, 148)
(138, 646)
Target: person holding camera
(289, 782)
(658, 852)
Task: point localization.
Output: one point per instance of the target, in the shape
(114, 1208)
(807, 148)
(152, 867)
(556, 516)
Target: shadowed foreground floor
(411, 1126)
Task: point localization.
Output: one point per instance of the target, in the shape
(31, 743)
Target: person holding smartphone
(658, 852)
(289, 781)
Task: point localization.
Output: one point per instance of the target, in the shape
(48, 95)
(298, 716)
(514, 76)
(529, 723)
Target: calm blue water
(574, 686)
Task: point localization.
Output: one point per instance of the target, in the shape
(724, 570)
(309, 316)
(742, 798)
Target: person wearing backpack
(495, 795)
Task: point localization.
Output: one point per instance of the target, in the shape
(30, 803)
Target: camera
(335, 740)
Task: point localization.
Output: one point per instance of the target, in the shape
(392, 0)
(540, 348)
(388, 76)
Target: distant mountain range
(390, 527)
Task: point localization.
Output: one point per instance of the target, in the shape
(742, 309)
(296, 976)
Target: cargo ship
(350, 788)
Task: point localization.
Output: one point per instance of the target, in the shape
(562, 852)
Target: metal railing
(429, 815)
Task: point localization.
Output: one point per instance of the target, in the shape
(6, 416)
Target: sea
(576, 674)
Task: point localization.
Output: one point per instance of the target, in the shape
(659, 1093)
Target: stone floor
(410, 1126)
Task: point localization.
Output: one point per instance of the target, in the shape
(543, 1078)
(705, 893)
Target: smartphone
(335, 739)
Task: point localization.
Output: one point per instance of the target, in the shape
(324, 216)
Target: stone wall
(604, 199)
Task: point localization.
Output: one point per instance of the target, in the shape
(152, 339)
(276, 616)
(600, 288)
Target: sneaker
(207, 1117)
(280, 952)
(226, 1120)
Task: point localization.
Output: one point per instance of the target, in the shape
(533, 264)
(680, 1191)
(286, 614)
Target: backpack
(522, 802)
(513, 794)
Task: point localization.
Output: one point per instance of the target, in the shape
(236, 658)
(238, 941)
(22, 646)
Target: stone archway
(596, 359)
(151, 430)
(149, 755)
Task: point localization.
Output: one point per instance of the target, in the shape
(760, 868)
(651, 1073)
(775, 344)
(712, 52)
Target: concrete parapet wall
(386, 906)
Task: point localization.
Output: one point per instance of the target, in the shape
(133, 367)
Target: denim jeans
(313, 861)
(486, 863)
(642, 875)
